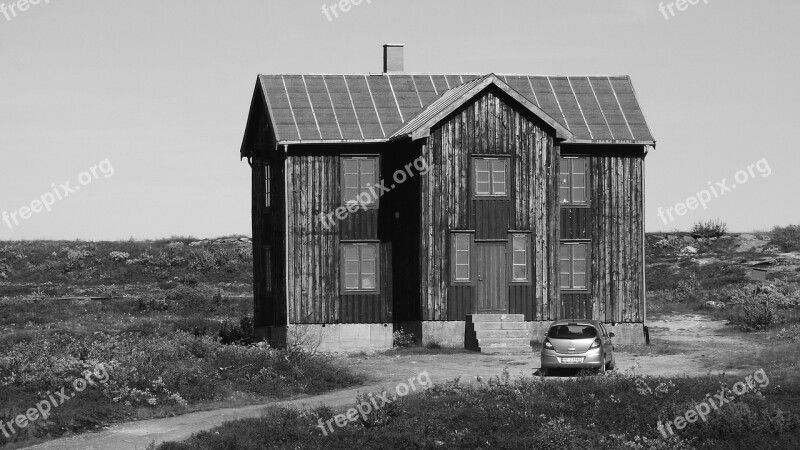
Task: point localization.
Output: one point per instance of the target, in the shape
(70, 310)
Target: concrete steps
(498, 333)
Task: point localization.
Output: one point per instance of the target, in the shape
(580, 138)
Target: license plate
(571, 360)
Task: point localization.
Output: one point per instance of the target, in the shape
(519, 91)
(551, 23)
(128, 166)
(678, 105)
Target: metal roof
(321, 108)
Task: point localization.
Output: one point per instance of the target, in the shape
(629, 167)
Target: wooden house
(469, 209)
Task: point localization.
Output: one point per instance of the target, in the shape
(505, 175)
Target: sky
(123, 119)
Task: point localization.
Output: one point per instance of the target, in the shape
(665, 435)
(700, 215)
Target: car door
(608, 345)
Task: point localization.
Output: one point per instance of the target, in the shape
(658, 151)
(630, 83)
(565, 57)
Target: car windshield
(572, 332)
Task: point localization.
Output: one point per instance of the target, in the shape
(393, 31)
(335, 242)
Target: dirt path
(692, 337)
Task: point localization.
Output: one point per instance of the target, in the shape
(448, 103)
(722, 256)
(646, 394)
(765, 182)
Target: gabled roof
(377, 108)
(420, 126)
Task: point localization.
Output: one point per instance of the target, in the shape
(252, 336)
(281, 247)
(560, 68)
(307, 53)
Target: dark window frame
(570, 202)
(528, 257)
(343, 267)
(506, 159)
(268, 185)
(454, 234)
(588, 269)
(267, 269)
(375, 204)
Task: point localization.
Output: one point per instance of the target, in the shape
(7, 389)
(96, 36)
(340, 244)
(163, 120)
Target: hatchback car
(577, 344)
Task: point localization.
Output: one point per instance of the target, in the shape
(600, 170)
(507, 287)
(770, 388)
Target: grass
(155, 366)
(618, 411)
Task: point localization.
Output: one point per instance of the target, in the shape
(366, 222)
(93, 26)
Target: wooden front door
(492, 278)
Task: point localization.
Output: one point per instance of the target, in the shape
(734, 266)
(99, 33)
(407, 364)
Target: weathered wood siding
(314, 278)
(490, 125)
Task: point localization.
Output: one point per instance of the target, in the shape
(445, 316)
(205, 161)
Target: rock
(762, 262)
(3, 275)
(702, 240)
(747, 237)
(196, 244)
(714, 305)
(244, 239)
(688, 239)
(671, 237)
(689, 249)
(727, 237)
(662, 243)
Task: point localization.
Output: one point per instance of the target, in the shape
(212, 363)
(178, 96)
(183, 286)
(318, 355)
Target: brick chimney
(393, 58)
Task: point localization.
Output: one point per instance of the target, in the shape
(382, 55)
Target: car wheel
(544, 371)
(613, 363)
(602, 369)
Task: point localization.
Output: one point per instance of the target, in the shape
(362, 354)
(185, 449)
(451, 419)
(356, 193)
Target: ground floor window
(360, 267)
(574, 261)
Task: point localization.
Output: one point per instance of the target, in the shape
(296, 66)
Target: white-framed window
(490, 177)
(360, 267)
(268, 184)
(572, 181)
(520, 257)
(358, 174)
(461, 257)
(574, 262)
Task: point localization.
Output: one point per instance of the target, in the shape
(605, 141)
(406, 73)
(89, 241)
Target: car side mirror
(611, 334)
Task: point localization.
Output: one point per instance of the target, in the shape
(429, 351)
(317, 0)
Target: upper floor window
(491, 177)
(520, 258)
(360, 267)
(358, 174)
(574, 264)
(268, 183)
(572, 181)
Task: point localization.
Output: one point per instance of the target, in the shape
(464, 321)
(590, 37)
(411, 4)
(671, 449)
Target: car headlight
(548, 345)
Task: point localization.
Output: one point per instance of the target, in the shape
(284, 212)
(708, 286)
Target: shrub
(787, 238)
(687, 288)
(709, 229)
(118, 256)
(152, 302)
(240, 334)
(402, 339)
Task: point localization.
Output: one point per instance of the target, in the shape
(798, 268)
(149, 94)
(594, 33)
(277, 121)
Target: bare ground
(688, 345)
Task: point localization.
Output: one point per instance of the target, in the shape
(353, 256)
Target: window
(358, 174)
(491, 177)
(268, 183)
(360, 267)
(572, 181)
(268, 269)
(461, 257)
(574, 258)
(520, 258)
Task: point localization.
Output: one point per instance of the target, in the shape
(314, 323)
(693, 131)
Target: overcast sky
(159, 93)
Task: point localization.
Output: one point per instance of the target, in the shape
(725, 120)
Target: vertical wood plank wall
(314, 278)
(489, 126)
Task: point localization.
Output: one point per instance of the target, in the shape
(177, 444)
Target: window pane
(499, 177)
(462, 272)
(350, 166)
(563, 195)
(565, 281)
(579, 181)
(368, 282)
(579, 267)
(462, 258)
(565, 167)
(520, 273)
(579, 195)
(351, 282)
(579, 281)
(579, 251)
(520, 243)
(519, 257)
(578, 166)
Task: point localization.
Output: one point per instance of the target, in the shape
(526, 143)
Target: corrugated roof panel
(591, 109)
(343, 107)
(547, 99)
(371, 107)
(407, 97)
(388, 110)
(440, 83)
(425, 88)
(365, 108)
(521, 85)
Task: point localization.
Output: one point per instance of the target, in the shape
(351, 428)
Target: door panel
(492, 278)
